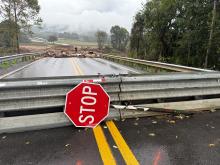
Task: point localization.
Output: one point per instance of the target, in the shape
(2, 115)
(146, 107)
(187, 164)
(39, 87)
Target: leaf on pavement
(152, 134)
(180, 116)
(67, 145)
(114, 146)
(154, 122)
(172, 121)
(211, 145)
(4, 137)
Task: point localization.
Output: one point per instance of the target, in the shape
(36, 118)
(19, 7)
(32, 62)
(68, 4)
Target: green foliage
(101, 37)
(23, 38)
(52, 38)
(68, 35)
(7, 37)
(176, 32)
(6, 34)
(21, 15)
(119, 37)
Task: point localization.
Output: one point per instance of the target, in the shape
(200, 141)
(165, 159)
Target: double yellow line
(104, 148)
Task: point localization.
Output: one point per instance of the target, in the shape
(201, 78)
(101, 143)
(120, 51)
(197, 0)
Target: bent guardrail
(154, 64)
(24, 103)
(35, 93)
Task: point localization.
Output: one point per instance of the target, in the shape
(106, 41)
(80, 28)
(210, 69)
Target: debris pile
(71, 51)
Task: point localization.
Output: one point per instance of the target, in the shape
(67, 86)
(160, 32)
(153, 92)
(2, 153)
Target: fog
(88, 15)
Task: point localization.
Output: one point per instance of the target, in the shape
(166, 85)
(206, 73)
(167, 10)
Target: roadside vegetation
(18, 16)
(7, 64)
(101, 38)
(76, 42)
(52, 39)
(184, 32)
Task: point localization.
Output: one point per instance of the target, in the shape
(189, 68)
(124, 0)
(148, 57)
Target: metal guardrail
(166, 66)
(17, 56)
(38, 93)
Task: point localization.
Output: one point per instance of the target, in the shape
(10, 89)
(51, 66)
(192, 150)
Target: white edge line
(12, 72)
(121, 66)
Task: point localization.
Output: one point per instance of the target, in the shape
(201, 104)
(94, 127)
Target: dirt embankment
(34, 48)
(61, 50)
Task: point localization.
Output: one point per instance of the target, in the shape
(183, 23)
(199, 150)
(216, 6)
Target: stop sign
(87, 105)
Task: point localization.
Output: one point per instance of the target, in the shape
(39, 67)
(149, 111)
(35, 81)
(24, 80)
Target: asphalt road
(49, 67)
(193, 140)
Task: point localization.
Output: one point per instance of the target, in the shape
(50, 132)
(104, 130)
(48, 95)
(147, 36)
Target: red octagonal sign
(87, 105)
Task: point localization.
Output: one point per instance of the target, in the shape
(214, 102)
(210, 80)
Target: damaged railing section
(24, 103)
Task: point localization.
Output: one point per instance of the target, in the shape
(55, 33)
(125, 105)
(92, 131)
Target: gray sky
(89, 15)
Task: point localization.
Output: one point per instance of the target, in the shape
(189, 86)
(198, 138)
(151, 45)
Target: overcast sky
(89, 15)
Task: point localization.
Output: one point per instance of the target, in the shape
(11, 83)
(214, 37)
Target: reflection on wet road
(96, 65)
(46, 67)
(49, 67)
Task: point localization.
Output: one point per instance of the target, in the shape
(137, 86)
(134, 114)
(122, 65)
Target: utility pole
(211, 34)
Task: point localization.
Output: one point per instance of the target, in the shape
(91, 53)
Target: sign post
(87, 105)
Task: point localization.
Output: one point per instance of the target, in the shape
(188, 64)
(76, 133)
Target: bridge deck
(158, 141)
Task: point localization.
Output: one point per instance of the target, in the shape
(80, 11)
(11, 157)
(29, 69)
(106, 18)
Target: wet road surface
(184, 142)
(194, 140)
(148, 141)
(49, 67)
(97, 65)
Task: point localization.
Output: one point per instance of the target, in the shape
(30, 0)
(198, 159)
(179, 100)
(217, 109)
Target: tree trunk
(16, 28)
(10, 29)
(211, 34)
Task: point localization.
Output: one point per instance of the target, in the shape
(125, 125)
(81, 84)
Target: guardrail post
(2, 114)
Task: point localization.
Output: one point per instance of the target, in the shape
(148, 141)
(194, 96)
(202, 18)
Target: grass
(7, 64)
(76, 43)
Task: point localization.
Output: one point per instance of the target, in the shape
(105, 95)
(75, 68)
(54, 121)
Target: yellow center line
(77, 69)
(101, 141)
(19, 69)
(103, 146)
(104, 149)
(122, 145)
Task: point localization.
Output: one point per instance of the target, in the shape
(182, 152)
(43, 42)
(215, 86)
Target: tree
(101, 37)
(52, 38)
(6, 38)
(211, 33)
(137, 42)
(23, 38)
(23, 13)
(68, 35)
(184, 32)
(119, 37)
